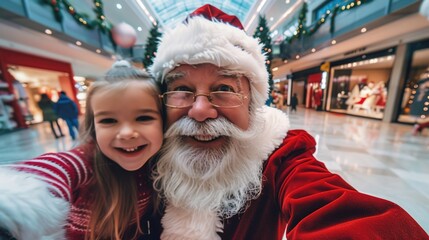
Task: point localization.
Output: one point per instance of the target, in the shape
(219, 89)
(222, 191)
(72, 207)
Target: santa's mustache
(213, 127)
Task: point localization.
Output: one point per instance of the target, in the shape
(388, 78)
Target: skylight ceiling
(169, 12)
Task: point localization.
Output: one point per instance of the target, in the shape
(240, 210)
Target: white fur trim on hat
(28, 210)
(203, 41)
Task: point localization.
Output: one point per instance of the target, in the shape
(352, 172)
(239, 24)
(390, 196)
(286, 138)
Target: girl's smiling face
(128, 124)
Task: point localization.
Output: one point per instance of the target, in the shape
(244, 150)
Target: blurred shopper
(419, 127)
(49, 115)
(294, 102)
(67, 110)
(279, 100)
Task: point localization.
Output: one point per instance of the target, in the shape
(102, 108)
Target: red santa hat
(209, 35)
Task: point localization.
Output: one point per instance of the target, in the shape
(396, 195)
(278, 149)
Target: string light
(81, 19)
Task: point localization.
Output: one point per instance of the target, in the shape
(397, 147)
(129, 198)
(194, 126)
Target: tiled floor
(381, 159)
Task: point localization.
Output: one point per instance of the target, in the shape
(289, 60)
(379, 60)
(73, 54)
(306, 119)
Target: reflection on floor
(360, 112)
(381, 159)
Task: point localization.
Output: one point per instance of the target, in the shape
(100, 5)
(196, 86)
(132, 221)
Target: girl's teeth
(130, 149)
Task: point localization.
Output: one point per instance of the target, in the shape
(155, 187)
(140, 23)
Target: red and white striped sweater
(67, 175)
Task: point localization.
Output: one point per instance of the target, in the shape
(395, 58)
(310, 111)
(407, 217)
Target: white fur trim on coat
(28, 210)
(184, 224)
(203, 41)
(274, 130)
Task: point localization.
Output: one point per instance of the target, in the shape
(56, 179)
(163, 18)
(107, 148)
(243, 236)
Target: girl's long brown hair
(114, 206)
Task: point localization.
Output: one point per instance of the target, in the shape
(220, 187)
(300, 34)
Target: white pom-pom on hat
(121, 63)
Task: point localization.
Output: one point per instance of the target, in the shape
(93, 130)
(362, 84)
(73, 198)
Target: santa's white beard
(217, 181)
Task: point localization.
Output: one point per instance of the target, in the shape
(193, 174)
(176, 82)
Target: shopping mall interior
(360, 70)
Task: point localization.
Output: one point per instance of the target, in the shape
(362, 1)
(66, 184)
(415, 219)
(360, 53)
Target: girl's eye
(144, 118)
(107, 121)
(225, 88)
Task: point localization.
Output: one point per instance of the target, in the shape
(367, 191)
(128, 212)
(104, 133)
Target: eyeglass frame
(208, 95)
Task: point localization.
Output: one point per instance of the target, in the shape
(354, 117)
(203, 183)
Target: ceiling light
(261, 5)
(118, 6)
(78, 78)
(251, 21)
(78, 43)
(297, 57)
(363, 30)
(334, 42)
(48, 31)
(282, 18)
(98, 51)
(313, 50)
(142, 6)
(271, 18)
(287, 1)
(139, 29)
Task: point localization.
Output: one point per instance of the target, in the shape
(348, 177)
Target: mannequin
(22, 97)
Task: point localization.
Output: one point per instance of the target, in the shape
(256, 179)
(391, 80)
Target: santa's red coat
(301, 194)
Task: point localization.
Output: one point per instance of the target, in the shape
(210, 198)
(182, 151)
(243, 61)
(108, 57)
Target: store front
(307, 84)
(314, 93)
(415, 96)
(23, 78)
(280, 93)
(358, 85)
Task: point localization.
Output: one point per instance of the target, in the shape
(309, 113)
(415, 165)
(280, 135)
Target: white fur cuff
(28, 210)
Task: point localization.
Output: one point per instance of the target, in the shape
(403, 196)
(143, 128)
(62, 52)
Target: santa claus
(230, 167)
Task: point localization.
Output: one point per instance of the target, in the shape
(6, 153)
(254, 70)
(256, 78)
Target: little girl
(101, 189)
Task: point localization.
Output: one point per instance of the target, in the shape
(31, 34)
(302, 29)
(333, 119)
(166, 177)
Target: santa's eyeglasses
(220, 99)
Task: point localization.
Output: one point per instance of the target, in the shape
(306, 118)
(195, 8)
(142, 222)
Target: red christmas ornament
(124, 35)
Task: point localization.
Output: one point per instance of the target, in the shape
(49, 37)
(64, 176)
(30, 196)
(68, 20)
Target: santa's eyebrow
(172, 76)
(229, 73)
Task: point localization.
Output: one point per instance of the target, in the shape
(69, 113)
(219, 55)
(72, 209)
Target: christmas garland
(304, 31)
(81, 19)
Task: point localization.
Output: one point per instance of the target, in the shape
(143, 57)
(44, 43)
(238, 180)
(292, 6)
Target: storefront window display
(314, 95)
(24, 77)
(309, 86)
(279, 93)
(29, 83)
(360, 87)
(7, 121)
(415, 99)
